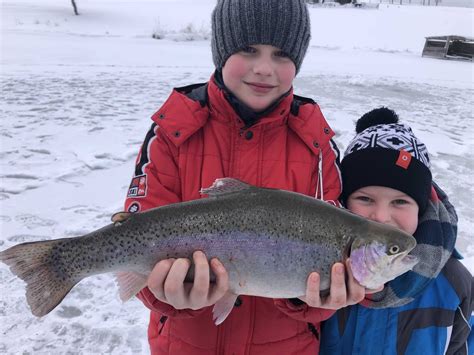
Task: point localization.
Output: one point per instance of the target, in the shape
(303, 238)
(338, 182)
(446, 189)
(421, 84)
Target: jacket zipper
(220, 339)
(252, 325)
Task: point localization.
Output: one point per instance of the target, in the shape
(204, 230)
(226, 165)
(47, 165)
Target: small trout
(269, 241)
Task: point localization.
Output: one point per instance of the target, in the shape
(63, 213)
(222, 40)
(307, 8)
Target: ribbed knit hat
(386, 153)
(237, 24)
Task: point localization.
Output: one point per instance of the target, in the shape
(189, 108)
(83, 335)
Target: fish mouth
(407, 260)
(404, 260)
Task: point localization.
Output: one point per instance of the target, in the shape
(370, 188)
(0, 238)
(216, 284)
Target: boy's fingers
(222, 281)
(174, 283)
(337, 293)
(312, 297)
(157, 278)
(200, 289)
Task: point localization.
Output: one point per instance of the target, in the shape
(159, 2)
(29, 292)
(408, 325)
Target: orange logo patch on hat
(404, 159)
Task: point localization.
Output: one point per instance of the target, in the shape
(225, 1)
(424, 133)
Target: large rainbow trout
(269, 241)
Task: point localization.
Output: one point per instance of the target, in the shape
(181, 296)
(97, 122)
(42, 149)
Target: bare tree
(75, 7)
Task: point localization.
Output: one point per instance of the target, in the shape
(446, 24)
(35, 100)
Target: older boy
(244, 123)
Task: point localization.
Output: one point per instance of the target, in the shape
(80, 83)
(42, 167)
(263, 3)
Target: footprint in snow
(31, 221)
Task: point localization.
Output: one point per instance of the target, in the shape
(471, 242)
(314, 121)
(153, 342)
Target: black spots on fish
(127, 244)
(121, 260)
(83, 265)
(327, 260)
(168, 231)
(118, 255)
(234, 223)
(272, 233)
(123, 249)
(185, 230)
(60, 257)
(110, 250)
(186, 244)
(206, 229)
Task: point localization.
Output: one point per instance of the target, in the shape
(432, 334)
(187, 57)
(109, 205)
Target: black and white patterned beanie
(237, 24)
(386, 153)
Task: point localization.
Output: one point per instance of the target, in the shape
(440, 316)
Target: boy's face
(385, 205)
(258, 75)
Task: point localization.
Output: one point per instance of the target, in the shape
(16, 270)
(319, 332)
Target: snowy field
(78, 91)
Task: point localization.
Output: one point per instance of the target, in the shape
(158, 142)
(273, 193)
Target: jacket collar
(223, 110)
(185, 112)
(244, 112)
(310, 125)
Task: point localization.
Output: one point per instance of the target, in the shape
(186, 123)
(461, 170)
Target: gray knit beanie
(237, 24)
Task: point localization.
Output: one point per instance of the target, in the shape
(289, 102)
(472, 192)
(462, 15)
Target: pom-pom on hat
(237, 24)
(386, 153)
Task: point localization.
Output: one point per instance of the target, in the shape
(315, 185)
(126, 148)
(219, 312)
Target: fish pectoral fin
(120, 217)
(129, 283)
(223, 307)
(224, 186)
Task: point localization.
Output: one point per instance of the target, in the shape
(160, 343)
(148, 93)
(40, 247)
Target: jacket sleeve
(470, 339)
(156, 180)
(155, 183)
(303, 312)
(462, 337)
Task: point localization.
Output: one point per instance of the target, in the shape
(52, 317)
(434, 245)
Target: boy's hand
(166, 282)
(340, 293)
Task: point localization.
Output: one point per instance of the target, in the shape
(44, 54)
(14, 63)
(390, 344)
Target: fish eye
(394, 249)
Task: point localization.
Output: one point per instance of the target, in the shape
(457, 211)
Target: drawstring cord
(319, 183)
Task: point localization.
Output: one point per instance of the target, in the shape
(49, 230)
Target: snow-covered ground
(78, 91)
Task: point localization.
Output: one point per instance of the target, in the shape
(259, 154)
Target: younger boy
(386, 178)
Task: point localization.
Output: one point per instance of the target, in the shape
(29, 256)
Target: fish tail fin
(45, 286)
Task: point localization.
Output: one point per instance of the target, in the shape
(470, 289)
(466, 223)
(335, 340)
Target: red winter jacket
(197, 137)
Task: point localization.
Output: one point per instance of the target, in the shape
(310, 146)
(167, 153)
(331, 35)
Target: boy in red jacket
(245, 123)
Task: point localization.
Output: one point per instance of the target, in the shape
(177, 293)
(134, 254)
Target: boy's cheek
(235, 68)
(358, 209)
(288, 73)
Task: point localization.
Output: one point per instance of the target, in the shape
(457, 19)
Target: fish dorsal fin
(224, 186)
(120, 217)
